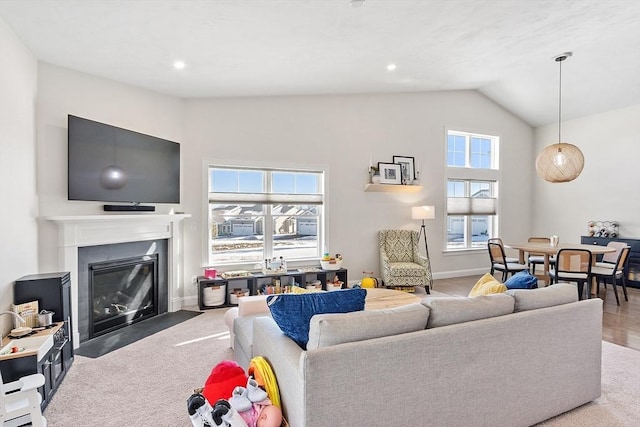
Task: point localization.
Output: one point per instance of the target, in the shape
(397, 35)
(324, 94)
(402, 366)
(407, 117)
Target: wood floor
(620, 324)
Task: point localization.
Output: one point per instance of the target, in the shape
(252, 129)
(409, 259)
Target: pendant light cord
(560, 101)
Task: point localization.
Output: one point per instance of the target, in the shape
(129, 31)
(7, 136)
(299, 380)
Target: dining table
(548, 250)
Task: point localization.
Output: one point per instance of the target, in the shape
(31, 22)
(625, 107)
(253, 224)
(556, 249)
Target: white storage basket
(213, 296)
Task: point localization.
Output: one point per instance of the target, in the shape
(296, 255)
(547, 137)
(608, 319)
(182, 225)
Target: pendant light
(561, 162)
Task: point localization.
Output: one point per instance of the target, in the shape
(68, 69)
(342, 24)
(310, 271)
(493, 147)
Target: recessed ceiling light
(356, 3)
(391, 67)
(178, 65)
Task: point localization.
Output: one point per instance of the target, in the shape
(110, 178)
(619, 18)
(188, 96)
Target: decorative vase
(375, 179)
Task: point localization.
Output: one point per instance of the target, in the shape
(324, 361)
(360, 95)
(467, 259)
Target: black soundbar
(129, 208)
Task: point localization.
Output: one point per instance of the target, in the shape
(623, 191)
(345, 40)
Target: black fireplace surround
(120, 284)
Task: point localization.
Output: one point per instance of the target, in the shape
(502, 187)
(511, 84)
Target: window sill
(464, 251)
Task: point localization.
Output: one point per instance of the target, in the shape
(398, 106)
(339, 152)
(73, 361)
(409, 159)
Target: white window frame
(267, 199)
(467, 173)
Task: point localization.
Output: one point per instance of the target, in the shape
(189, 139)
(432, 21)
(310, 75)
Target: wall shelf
(393, 188)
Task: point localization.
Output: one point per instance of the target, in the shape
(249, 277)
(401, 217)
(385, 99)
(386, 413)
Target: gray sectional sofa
(511, 359)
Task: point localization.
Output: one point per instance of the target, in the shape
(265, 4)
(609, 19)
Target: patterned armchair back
(399, 245)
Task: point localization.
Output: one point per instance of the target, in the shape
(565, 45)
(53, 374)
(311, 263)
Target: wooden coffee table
(379, 298)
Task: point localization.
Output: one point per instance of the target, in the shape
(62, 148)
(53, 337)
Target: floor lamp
(424, 212)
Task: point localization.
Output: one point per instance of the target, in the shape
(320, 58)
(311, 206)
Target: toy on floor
(240, 401)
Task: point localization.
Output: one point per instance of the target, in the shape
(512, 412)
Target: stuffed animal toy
(224, 378)
(239, 401)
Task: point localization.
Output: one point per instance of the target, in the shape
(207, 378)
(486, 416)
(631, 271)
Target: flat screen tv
(111, 164)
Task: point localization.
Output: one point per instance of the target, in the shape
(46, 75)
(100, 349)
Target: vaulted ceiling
(502, 48)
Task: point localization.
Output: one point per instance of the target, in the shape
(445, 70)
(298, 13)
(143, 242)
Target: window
(471, 151)
(259, 213)
(472, 189)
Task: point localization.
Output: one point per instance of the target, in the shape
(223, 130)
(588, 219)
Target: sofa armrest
(284, 356)
(252, 305)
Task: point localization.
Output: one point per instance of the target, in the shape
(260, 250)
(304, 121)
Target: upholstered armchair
(402, 264)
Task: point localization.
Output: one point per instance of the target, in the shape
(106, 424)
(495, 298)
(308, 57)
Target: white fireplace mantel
(91, 230)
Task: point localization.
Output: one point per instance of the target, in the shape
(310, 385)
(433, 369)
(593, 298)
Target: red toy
(224, 377)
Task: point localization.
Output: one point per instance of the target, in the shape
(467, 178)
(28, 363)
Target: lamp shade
(471, 206)
(423, 212)
(560, 162)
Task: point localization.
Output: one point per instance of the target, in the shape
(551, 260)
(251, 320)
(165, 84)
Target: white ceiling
(503, 48)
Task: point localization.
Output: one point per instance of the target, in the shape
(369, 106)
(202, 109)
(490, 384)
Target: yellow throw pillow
(486, 285)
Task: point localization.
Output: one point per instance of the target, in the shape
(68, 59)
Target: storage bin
(213, 296)
(237, 294)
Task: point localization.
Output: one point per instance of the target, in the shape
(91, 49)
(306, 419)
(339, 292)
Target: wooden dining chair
(610, 259)
(500, 262)
(538, 258)
(499, 240)
(573, 265)
(613, 274)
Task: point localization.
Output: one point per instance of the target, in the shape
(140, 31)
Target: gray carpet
(148, 382)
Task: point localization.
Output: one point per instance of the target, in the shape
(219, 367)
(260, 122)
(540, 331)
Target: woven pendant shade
(560, 162)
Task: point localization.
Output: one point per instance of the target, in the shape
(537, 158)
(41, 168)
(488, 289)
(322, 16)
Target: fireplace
(78, 233)
(120, 284)
(122, 292)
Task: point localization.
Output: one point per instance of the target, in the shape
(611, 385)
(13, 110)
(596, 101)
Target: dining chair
(500, 262)
(610, 259)
(573, 265)
(536, 258)
(499, 240)
(617, 271)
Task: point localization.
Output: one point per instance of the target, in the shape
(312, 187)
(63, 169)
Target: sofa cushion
(337, 328)
(522, 280)
(531, 299)
(293, 312)
(450, 310)
(487, 285)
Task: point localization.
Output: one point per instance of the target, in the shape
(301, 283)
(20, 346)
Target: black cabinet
(633, 262)
(255, 282)
(53, 293)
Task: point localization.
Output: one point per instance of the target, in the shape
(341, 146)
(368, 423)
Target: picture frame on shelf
(390, 173)
(407, 167)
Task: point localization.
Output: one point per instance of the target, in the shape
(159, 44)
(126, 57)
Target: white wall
(18, 198)
(343, 132)
(609, 186)
(63, 92)
(340, 132)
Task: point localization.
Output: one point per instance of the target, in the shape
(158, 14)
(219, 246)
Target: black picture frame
(407, 167)
(390, 173)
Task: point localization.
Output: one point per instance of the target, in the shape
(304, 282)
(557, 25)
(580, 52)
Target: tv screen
(111, 164)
